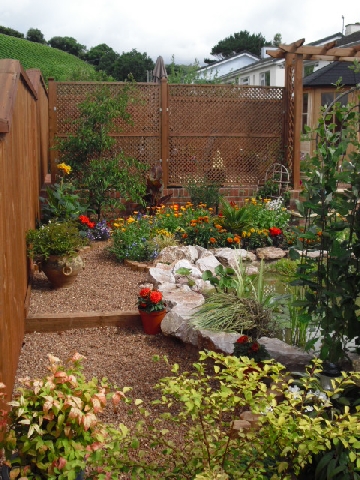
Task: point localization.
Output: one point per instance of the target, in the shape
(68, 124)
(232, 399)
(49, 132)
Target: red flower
(91, 224)
(155, 297)
(274, 231)
(84, 219)
(144, 292)
(255, 347)
(242, 339)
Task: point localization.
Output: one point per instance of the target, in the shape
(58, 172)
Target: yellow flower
(131, 220)
(65, 168)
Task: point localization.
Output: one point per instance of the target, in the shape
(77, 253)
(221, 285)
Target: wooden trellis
(294, 55)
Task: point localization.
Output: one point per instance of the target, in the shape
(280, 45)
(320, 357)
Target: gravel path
(124, 356)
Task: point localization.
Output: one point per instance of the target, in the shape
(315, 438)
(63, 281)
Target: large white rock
(207, 262)
(159, 275)
(230, 256)
(184, 263)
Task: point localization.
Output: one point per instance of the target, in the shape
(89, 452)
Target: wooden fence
(23, 165)
(230, 134)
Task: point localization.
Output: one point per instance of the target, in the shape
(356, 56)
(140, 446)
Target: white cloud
(188, 29)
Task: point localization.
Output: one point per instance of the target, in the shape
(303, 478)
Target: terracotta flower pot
(62, 271)
(151, 321)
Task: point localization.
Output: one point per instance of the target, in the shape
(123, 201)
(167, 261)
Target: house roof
(348, 39)
(331, 73)
(244, 53)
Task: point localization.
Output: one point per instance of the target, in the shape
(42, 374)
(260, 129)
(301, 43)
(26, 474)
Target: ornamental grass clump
(150, 300)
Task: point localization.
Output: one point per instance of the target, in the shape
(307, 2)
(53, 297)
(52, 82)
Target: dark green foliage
(68, 45)
(332, 280)
(239, 42)
(133, 63)
(121, 174)
(11, 32)
(35, 35)
(103, 58)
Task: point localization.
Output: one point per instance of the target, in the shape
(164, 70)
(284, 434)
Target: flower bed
(256, 224)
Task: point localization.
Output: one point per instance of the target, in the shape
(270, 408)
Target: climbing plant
(331, 277)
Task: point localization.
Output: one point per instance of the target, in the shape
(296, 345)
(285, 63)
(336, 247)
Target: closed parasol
(159, 71)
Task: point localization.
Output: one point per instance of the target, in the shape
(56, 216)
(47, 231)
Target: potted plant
(152, 310)
(52, 430)
(56, 247)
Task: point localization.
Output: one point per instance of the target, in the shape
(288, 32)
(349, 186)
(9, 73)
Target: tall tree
(135, 63)
(69, 45)
(239, 42)
(103, 58)
(277, 39)
(35, 35)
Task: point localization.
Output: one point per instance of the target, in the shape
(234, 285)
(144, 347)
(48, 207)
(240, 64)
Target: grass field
(51, 61)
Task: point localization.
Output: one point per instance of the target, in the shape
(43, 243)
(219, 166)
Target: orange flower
(236, 239)
(155, 297)
(144, 292)
(229, 240)
(212, 240)
(185, 235)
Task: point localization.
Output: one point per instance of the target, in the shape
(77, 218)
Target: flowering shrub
(246, 347)
(95, 231)
(150, 300)
(131, 239)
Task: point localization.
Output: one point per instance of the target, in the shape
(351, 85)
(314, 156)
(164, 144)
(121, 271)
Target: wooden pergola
(294, 55)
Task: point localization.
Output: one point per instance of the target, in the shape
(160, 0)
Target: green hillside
(51, 61)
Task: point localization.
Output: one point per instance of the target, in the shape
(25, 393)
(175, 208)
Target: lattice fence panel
(143, 108)
(229, 161)
(228, 133)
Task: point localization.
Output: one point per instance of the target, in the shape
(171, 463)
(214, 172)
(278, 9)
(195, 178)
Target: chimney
(352, 28)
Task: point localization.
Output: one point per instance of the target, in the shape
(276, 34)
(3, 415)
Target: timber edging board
(58, 322)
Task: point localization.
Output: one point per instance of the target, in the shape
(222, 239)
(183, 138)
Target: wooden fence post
(164, 102)
(298, 106)
(52, 127)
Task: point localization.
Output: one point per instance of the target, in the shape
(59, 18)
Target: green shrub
(131, 240)
(230, 423)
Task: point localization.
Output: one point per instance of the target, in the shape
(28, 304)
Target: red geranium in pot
(152, 310)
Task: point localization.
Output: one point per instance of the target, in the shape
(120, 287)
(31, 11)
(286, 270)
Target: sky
(186, 30)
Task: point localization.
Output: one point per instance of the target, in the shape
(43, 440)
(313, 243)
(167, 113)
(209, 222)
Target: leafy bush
(131, 240)
(332, 227)
(238, 420)
(53, 426)
(54, 239)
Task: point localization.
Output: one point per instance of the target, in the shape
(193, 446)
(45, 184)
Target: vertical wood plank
(165, 130)
(52, 127)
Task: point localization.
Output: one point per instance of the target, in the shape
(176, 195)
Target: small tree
(97, 169)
